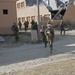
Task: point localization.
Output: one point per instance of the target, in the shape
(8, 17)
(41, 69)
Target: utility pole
(38, 20)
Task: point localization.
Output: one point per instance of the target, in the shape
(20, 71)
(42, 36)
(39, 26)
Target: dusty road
(64, 67)
(31, 55)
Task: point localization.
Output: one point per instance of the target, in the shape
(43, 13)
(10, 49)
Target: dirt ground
(63, 67)
(10, 40)
(24, 38)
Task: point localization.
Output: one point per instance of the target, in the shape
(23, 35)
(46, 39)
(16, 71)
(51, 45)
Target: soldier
(35, 27)
(26, 23)
(32, 24)
(15, 31)
(62, 28)
(20, 25)
(43, 35)
(49, 32)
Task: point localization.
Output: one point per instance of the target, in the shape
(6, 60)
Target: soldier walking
(26, 23)
(49, 32)
(20, 25)
(62, 27)
(15, 31)
(43, 35)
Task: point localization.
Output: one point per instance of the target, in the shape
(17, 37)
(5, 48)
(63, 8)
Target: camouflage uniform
(20, 24)
(15, 31)
(32, 24)
(62, 28)
(43, 35)
(26, 23)
(49, 31)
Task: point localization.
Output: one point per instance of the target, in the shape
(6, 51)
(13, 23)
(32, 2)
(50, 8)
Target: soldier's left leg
(51, 45)
(64, 31)
(45, 41)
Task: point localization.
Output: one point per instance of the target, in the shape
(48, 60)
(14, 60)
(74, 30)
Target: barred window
(5, 11)
(40, 18)
(18, 5)
(46, 17)
(22, 4)
(23, 19)
(19, 19)
(33, 18)
(28, 18)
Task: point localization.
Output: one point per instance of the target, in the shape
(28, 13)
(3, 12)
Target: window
(28, 18)
(40, 18)
(22, 4)
(23, 19)
(19, 19)
(18, 5)
(46, 17)
(5, 11)
(33, 18)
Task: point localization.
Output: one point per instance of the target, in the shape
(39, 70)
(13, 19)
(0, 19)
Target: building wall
(7, 15)
(70, 14)
(31, 12)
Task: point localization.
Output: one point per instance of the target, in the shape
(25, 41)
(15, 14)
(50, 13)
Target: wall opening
(5, 11)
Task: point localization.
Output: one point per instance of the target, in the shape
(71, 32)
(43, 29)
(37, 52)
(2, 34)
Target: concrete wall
(70, 14)
(6, 20)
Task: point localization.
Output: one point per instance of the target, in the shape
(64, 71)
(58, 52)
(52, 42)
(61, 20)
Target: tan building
(70, 14)
(7, 15)
(30, 12)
